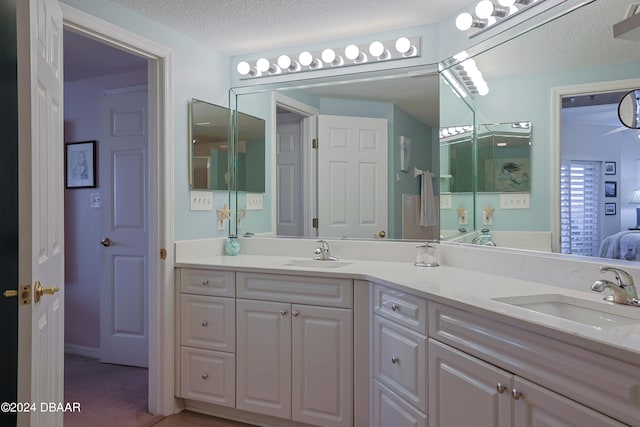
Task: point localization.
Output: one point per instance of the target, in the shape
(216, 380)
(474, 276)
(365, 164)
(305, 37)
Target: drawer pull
(295, 313)
(395, 307)
(205, 375)
(500, 387)
(204, 282)
(283, 312)
(395, 360)
(515, 394)
(204, 323)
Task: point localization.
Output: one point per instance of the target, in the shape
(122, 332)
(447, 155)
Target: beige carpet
(109, 395)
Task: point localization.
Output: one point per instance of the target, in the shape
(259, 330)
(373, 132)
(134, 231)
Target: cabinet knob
(395, 360)
(395, 307)
(295, 313)
(500, 387)
(204, 282)
(205, 375)
(283, 312)
(515, 394)
(204, 323)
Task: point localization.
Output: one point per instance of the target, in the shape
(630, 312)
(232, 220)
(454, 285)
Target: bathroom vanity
(285, 340)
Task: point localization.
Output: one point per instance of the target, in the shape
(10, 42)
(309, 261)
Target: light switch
(255, 201)
(514, 201)
(201, 200)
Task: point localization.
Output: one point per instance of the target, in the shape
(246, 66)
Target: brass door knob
(381, 234)
(38, 291)
(106, 242)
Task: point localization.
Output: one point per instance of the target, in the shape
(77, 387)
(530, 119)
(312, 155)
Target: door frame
(160, 197)
(309, 126)
(557, 93)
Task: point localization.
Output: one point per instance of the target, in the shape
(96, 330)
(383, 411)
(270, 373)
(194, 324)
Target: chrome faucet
(484, 239)
(624, 290)
(323, 253)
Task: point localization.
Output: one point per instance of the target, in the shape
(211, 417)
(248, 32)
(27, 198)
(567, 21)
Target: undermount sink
(596, 314)
(313, 263)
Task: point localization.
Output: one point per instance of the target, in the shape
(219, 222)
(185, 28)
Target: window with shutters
(580, 207)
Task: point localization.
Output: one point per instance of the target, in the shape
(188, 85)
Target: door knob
(38, 291)
(106, 242)
(381, 234)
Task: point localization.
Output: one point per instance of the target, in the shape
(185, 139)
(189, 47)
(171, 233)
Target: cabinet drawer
(324, 291)
(400, 361)
(390, 410)
(403, 308)
(207, 282)
(597, 381)
(208, 376)
(207, 322)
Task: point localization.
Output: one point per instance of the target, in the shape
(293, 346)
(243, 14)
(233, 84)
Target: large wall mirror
(209, 149)
(529, 77)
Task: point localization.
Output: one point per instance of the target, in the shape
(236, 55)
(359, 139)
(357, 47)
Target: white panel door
(124, 337)
(322, 365)
(289, 221)
(41, 234)
(263, 357)
(352, 176)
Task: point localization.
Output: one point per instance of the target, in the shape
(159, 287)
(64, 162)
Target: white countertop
(462, 288)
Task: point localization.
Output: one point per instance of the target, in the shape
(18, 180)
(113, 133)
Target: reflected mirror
(629, 109)
(209, 149)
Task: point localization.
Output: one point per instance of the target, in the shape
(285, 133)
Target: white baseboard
(81, 350)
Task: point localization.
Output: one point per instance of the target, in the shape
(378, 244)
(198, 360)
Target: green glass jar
(232, 245)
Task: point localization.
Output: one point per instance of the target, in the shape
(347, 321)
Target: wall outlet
(446, 201)
(254, 201)
(201, 200)
(514, 201)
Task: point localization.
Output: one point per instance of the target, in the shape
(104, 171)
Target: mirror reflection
(629, 109)
(209, 149)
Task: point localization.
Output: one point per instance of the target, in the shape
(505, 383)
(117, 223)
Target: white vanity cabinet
(295, 347)
(399, 357)
(498, 375)
(207, 336)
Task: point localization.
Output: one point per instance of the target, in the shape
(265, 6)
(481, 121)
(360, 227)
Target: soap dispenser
(427, 255)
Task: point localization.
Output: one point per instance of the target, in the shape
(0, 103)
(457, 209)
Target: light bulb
(376, 49)
(284, 61)
(403, 45)
(483, 90)
(464, 21)
(484, 9)
(262, 65)
(305, 58)
(352, 52)
(328, 56)
(243, 68)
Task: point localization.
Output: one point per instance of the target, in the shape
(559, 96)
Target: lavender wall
(82, 223)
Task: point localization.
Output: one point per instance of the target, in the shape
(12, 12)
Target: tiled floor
(192, 419)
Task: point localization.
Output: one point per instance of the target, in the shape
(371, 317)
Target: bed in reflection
(622, 245)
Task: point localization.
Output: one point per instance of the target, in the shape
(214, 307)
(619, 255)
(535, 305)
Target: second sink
(316, 263)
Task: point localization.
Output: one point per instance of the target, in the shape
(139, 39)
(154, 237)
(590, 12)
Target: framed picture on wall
(609, 208)
(610, 189)
(80, 164)
(609, 168)
(405, 153)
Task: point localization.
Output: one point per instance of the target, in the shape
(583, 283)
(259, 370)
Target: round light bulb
(464, 21)
(262, 65)
(484, 9)
(403, 45)
(351, 52)
(284, 61)
(305, 58)
(506, 3)
(328, 56)
(483, 90)
(243, 68)
(376, 49)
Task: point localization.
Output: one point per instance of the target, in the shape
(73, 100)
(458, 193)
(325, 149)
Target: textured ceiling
(236, 27)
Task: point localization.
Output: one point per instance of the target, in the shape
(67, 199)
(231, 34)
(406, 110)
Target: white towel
(428, 214)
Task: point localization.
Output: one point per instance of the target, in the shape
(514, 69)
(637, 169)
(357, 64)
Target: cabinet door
(322, 368)
(391, 410)
(208, 322)
(538, 406)
(465, 391)
(263, 357)
(208, 376)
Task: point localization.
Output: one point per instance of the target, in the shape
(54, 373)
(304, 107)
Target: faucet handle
(620, 275)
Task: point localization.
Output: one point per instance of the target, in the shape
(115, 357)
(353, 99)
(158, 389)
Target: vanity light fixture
(488, 13)
(352, 54)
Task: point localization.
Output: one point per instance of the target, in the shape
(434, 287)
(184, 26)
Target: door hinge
(314, 222)
(314, 143)
(163, 253)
